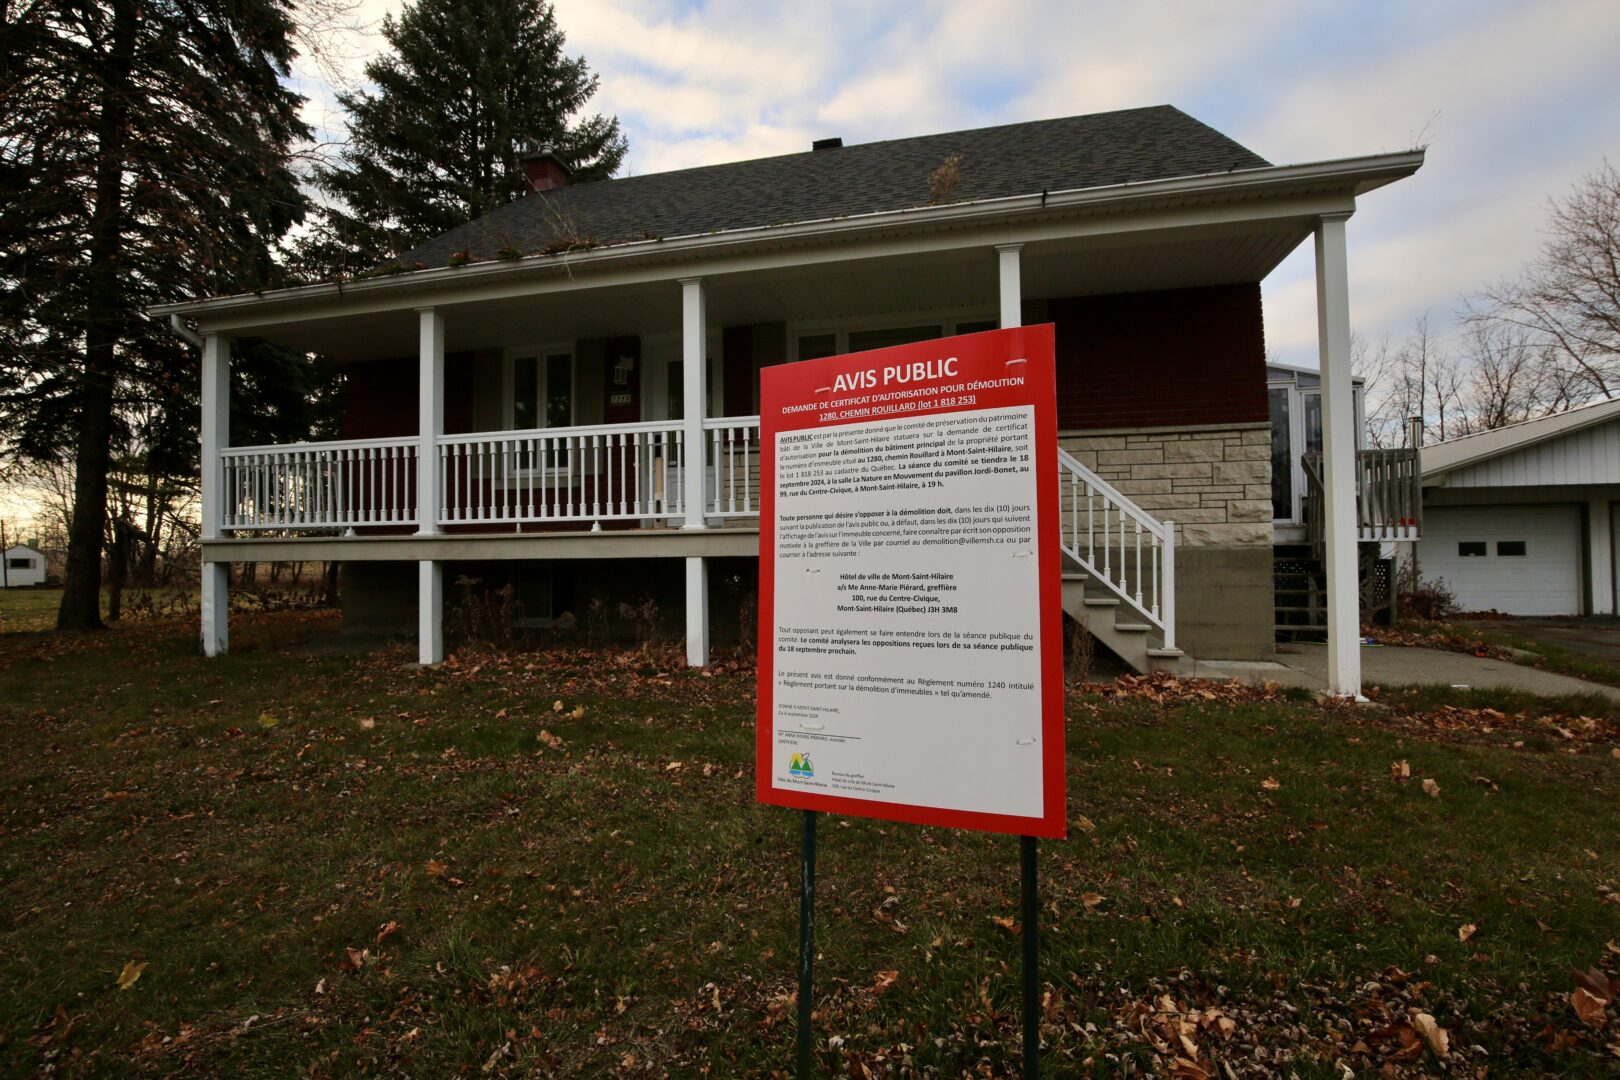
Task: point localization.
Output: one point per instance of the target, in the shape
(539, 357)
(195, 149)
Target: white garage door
(1524, 560)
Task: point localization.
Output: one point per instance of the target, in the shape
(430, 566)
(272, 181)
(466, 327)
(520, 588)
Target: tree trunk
(154, 525)
(81, 595)
(118, 568)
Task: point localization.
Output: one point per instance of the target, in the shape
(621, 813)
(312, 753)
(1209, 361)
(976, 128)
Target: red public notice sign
(910, 661)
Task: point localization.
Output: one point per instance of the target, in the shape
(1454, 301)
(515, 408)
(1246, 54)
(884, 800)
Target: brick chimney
(544, 169)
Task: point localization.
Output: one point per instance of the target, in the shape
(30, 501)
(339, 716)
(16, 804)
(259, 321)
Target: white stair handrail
(1118, 544)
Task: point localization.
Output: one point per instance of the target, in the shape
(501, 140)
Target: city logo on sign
(799, 765)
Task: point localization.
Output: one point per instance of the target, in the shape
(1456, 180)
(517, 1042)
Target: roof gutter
(1352, 175)
(177, 323)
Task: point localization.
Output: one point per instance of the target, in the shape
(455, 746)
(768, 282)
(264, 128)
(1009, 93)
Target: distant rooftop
(1100, 150)
(1455, 453)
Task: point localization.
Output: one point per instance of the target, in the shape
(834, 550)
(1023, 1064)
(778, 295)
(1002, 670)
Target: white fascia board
(1266, 192)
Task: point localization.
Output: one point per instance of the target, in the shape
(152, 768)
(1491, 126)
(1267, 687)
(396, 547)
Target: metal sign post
(910, 659)
(807, 941)
(1032, 956)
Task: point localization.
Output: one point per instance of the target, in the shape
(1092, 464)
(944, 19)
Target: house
(1522, 519)
(23, 565)
(565, 390)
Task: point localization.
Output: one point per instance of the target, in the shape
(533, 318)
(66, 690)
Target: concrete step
(1135, 643)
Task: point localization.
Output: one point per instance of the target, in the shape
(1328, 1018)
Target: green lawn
(333, 863)
(28, 609)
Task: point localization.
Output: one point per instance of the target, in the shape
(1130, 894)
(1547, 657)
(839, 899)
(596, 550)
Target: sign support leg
(1032, 978)
(807, 944)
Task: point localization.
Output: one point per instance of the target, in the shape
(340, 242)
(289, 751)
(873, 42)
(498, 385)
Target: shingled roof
(1102, 149)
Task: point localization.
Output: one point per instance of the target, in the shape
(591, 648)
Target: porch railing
(1389, 497)
(610, 472)
(586, 475)
(328, 485)
(1118, 545)
(733, 461)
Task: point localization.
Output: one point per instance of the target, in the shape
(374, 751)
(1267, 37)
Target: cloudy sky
(1514, 100)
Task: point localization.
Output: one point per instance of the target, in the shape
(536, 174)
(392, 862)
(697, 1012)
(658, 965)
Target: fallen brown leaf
(1432, 1033)
(1466, 931)
(1430, 788)
(1592, 1009)
(132, 972)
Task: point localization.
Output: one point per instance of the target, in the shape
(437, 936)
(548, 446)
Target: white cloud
(1519, 99)
(1501, 90)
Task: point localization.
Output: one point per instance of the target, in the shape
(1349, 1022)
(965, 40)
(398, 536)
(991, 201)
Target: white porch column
(1600, 551)
(1012, 287)
(216, 429)
(429, 418)
(1338, 458)
(430, 612)
(694, 362)
(694, 374)
(215, 607)
(697, 611)
(216, 436)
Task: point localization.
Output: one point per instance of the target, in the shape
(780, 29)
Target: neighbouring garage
(1522, 519)
(1525, 560)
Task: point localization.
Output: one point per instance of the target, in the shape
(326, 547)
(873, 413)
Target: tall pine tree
(144, 153)
(468, 86)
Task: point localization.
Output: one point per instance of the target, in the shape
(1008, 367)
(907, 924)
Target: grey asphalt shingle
(1101, 149)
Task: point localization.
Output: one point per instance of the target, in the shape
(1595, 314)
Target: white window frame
(539, 354)
(1296, 435)
(948, 319)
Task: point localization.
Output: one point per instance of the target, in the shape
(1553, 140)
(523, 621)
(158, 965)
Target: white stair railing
(609, 472)
(733, 461)
(1119, 545)
(319, 486)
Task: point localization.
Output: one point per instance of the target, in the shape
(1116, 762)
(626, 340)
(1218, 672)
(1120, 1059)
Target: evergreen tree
(144, 156)
(468, 87)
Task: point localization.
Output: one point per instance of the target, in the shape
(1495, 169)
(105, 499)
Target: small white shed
(23, 566)
(1523, 519)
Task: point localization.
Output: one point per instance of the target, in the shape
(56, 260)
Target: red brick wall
(1169, 358)
(379, 397)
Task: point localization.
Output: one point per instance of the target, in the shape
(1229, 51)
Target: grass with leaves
(295, 860)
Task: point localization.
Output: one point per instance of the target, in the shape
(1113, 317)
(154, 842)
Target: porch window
(1312, 403)
(542, 391)
(1282, 458)
(817, 346)
(862, 340)
(676, 389)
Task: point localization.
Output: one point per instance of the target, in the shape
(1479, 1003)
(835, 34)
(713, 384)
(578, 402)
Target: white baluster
(1154, 545)
(1138, 562)
(748, 488)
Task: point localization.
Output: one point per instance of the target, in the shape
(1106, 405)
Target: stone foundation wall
(1214, 483)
